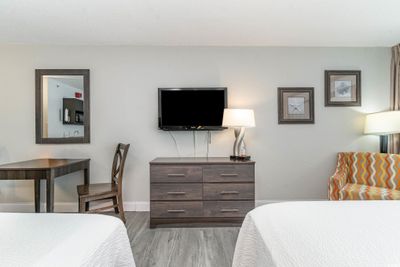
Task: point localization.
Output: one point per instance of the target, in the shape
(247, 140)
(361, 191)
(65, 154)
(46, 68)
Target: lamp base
(384, 140)
(240, 158)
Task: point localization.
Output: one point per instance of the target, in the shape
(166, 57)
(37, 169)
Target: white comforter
(321, 233)
(63, 240)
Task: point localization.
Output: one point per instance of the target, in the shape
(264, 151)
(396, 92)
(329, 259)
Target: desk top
(40, 164)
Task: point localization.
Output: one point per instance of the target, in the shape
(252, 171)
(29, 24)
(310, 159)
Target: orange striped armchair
(366, 176)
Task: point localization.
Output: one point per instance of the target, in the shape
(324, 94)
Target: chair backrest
(117, 170)
(374, 169)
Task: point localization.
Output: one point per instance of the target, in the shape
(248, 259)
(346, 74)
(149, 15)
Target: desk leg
(50, 194)
(37, 195)
(87, 182)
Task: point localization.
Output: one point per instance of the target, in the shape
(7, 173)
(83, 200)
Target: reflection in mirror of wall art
(62, 106)
(342, 88)
(295, 105)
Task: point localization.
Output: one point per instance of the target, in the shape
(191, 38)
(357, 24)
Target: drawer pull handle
(229, 174)
(176, 211)
(176, 175)
(229, 210)
(176, 193)
(229, 193)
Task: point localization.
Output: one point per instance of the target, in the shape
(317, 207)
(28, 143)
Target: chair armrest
(338, 180)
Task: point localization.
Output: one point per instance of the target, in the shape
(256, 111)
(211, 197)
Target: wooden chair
(111, 191)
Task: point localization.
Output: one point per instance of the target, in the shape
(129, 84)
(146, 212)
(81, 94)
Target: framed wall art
(295, 105)
(342, 88)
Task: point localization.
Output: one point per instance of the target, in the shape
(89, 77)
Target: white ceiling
(201, 22)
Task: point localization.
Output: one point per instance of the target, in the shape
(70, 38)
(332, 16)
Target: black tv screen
(191, 108)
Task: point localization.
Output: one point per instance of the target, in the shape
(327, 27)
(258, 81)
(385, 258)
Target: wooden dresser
(199, 191)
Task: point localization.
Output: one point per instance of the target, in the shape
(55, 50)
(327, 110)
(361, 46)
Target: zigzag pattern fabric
(374, 169)
(339, 179)
(365, 176)
(365, 192)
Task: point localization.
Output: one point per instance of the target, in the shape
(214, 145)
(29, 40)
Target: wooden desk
(44, 169)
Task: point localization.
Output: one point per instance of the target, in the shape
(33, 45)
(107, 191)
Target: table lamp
(239, 119)
(383, 124)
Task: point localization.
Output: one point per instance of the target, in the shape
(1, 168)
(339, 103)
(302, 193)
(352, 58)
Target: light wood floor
(179, 247)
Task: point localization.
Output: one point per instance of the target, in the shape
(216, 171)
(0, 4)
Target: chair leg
(82, 207)
(121, 208)
(87, 206)
(115, 202)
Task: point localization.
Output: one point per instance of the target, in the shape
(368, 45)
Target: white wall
(293, 161)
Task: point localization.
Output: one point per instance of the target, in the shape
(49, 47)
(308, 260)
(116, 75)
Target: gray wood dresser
(200, 191)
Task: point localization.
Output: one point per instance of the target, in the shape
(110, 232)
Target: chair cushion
(374, 169)
(97, 189)
(365, 192)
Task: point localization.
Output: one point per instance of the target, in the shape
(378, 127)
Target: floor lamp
(383, 124)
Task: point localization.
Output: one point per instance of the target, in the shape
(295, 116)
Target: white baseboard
(66, 206)
(137, 206)
(30, 207)
(17, 207)
(128, 206)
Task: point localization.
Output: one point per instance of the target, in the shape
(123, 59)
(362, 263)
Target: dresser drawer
(227, 208)
(228, 173)
(175, 174)
(176, 209)
(182, 191)
(217, 191)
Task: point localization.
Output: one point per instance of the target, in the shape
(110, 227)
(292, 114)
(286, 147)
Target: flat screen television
(191, 108)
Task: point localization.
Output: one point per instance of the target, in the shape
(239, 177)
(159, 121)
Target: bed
(63, 240)
(320, 233)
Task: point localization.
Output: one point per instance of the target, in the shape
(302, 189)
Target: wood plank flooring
(179, 247)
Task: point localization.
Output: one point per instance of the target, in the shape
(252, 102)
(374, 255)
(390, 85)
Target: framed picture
(342, 88)
(295, 105)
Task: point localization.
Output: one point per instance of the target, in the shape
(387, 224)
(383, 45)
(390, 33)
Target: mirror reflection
(63, 106)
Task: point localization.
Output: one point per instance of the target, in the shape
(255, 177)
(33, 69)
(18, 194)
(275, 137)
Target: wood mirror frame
(39, 73)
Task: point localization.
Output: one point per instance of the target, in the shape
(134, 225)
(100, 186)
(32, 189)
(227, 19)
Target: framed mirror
(62, 106)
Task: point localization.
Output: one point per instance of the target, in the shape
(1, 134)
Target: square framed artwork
(295, 105)
(342, 88)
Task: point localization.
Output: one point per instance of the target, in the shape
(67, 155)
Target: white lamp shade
(238, 118)
(382, 123)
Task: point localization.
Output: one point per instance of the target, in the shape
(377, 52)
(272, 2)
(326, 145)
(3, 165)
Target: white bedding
(63, 240)
(321, 233)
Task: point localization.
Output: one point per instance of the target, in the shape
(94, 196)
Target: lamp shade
(238, 118)
(382, 123)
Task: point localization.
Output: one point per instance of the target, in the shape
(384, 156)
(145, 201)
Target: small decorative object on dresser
(239, 119)
(200, 191)
(295, 105)
(342, 88)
